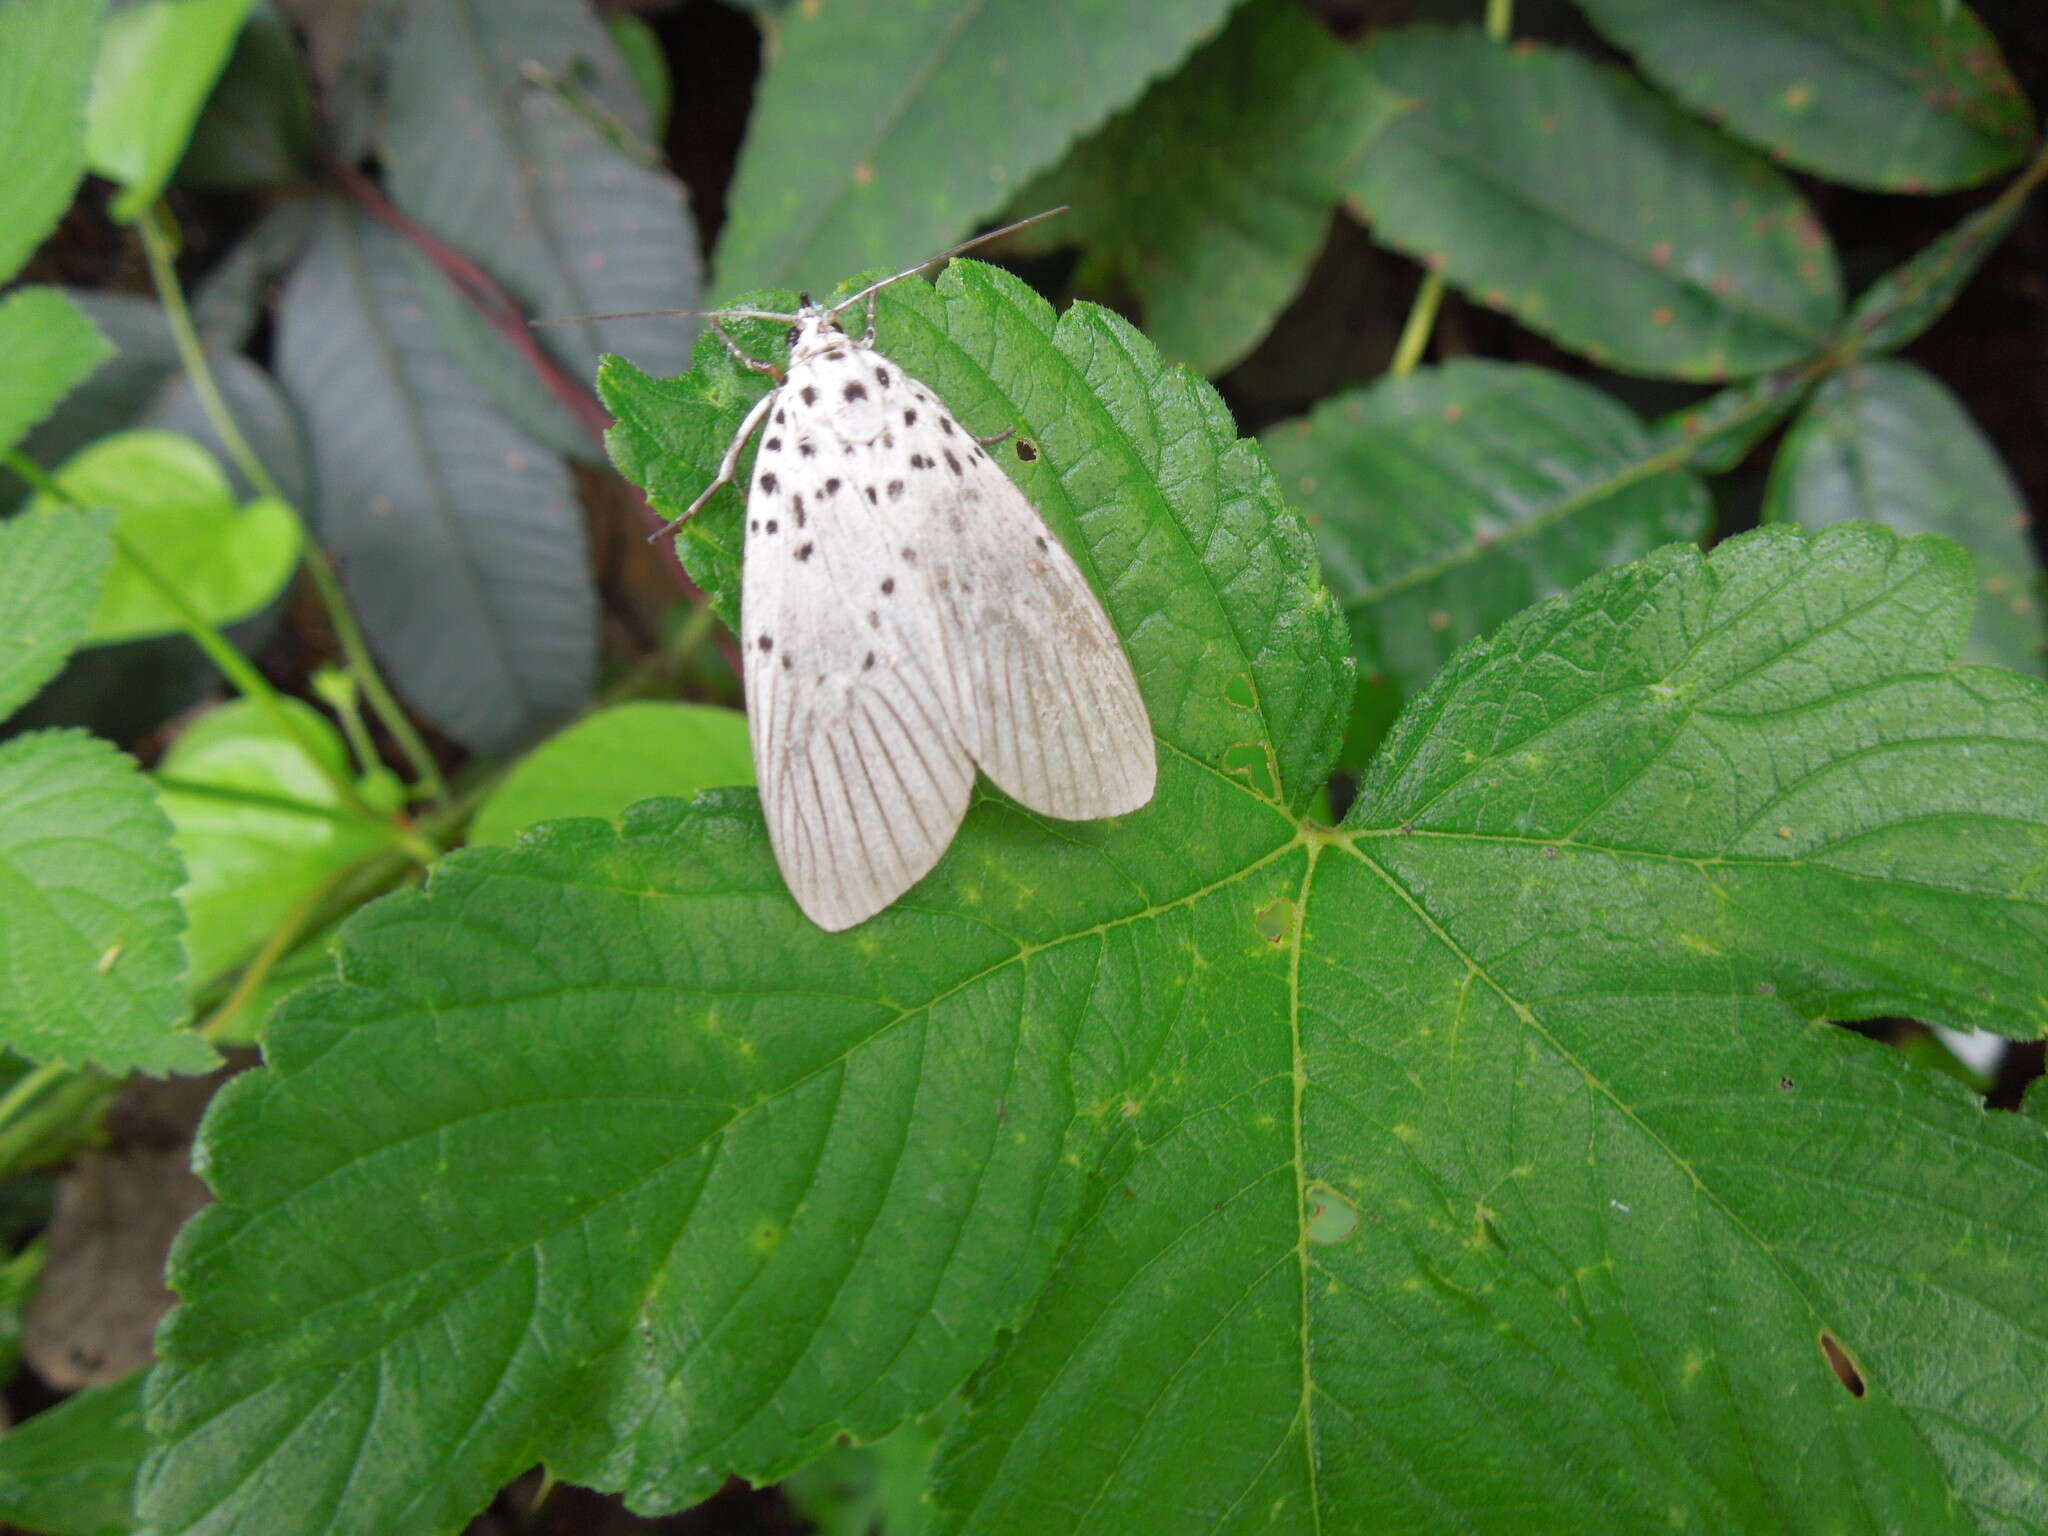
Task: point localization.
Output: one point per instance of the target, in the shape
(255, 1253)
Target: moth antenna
(669, 314)
(964, 246)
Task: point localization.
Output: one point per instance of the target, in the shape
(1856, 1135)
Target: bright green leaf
(1209, 198)
(50, 574)
(46, 54)
(174, 508)
(157, 63)
(1900, 95)
(1886, 443)
(1901, 305)
(70, 1470)
(258, 127)
(1591, 210)
(91, 969)
(602, 764)
(1448, 501)
(1535, 1189)
(247, 865)
(50, 349)
(884, 132)
(1479, 1156)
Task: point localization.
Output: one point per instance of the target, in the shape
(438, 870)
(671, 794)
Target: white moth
(907, 617)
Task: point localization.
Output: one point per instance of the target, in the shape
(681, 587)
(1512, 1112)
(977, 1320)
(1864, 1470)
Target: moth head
(816, 329)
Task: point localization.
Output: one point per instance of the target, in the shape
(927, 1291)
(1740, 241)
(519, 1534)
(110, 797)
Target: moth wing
(862, 774)
(1043, 695)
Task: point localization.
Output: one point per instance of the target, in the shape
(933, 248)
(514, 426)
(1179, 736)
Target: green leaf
(499, 370)
(50, 574)
(1630, 1188)
(1479, 1155)
(1900, 95)
(884, 132)
(1903, 303)
(247, 864)
(236, 292)
(936, 1246)
(46, 54)
(157, 63)
(513, 178)
(50, 349)
(70, 1470)
(258, 128)
(1533, 1188)
(1592, 211)
(640, 51)
(1717, 433)
(1448, 501)
(1886, 443)
(460, 540)
(144, 385)
(90, 965)
(173, 507)
(1209, 198)
(605, 762)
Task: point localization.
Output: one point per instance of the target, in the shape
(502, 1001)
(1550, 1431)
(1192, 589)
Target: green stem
(233, 665)
(1421, 319)
(157, 247)
(28, 1088)
(1429, 298)
(235, 794)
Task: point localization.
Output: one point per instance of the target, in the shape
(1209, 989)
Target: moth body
(906, 617)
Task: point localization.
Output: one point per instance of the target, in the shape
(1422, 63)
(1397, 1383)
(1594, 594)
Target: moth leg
(745, 361)
(726, 465)
(868, 337)
(1002, 436)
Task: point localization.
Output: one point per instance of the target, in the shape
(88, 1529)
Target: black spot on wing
(768, 483)
(810, 394)
(855, 390)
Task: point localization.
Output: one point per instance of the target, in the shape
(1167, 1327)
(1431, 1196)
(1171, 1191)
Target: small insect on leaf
(900, 595)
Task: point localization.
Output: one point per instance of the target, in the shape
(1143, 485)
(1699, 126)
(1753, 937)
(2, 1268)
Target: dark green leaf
(231, 298)
(1447, 501)
(1209, 198)
(157, 62)
(46, 54)
(459, 540)
(884, 132)
(1717, 433)
(512, 177)
(50, 574)
(1533, 1189)
(1902, 95)
(497, 368)
(1885, 443)
(1905, 301)
(1591, 210)
(91, 969)
(257, 129)
(70, 1470)
(50, 349)
(608, 760)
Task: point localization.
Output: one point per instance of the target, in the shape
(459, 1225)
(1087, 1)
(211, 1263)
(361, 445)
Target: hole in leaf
(1238, 691)
(1250, 761)
(1840, 1363)
(1328, 1217)
(1027, 450)
(1275, 920)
